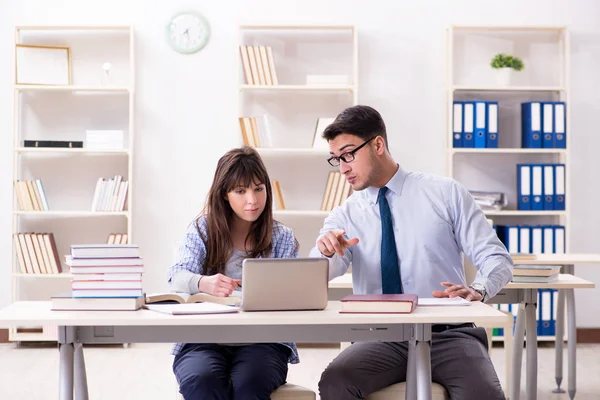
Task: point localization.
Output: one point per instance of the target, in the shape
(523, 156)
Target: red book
(379, 303)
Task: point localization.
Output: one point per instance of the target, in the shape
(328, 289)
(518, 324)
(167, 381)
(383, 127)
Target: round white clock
(188, 32)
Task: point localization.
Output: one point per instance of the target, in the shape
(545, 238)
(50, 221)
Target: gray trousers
(459, 362)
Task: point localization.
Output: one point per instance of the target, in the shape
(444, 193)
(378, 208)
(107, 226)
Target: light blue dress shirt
(435, 220)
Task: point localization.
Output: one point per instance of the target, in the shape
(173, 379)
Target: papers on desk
(446, 301)
(192, 308)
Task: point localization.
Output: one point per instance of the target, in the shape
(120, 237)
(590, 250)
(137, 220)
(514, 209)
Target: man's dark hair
(362, 121)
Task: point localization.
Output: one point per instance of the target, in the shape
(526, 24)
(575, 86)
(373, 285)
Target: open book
(165, 298)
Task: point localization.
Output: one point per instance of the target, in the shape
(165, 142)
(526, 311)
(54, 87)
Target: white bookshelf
(545, 53)
(69, 175)
(293, 107)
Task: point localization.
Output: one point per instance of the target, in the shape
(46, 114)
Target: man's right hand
(333, 241)
(218, 285)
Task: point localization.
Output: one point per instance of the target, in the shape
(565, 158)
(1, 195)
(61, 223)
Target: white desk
(526, 295)
(567, 261)
(80, 327)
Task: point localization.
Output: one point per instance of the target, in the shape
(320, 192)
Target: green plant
(507, 61)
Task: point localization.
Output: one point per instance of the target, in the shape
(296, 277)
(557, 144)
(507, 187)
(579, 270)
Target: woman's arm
(185, 274)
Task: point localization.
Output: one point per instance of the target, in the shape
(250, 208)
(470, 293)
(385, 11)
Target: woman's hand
(218, 285)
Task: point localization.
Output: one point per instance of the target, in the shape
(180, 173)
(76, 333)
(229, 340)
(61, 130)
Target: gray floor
(143, 371)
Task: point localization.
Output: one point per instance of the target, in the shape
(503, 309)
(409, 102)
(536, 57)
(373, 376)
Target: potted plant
(504, 64)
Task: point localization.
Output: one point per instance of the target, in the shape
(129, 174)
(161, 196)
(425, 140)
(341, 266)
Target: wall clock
(188, 32)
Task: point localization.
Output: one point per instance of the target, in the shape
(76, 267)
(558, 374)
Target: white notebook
(191, 308)
(444, 301)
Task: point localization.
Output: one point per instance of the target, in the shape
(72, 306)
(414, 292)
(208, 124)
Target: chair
(398, 391)
(285, 392)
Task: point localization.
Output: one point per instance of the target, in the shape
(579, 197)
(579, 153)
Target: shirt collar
(394, 185)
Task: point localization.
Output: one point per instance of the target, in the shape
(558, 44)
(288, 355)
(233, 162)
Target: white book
(192, 308)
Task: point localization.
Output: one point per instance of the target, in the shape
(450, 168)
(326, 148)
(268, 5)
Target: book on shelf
(111, 194)
(183, 298)
(255, 131)
(319, 143)
(31, 195)
(337, 190)
(75, 144)
(379, 303)
(66, 302)
(104, 139)
(278, 194)
(105, 251)
(191, 308)
(37, 253)
(117, 238)
(258, 65)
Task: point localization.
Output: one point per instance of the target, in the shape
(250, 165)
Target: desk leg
(558, 341)
(517, 359)
(532, 364)
(411, 371)
(570, 294)
(81, 389)
(65, 375)
(423, 361)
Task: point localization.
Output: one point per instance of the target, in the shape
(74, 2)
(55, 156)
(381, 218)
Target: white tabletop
(565, 281)
(23, 313)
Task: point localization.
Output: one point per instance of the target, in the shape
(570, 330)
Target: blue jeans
(217, 372)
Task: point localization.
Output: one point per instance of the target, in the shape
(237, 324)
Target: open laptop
(283, 284)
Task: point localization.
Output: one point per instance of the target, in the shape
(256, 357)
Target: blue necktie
(390, 269)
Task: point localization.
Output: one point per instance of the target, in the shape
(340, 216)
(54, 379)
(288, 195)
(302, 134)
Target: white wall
(185, 102)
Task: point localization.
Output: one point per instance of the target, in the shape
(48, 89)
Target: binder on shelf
(468, 125)
(547, 125)
(560, 125)
(509, 235)
(531, 124)
(545, 324)
(559, 187)
(524, 186)
(548, 238)
(53, 143)
(492, 124)
(537, 240)
(524, 239)
(548, 187)
(457, 124)
(480, 135)
(559, 239)
(537, 183)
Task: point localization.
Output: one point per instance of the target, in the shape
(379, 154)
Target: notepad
(191, 308)
(445, 301)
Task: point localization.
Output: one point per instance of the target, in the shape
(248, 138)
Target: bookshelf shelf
(43, 276)
(70, 150)
(73, 88)
(73, 213)
(520, 213)
(509, 88)
(52, 179)
(266, 151)
(288, 88)
(507, 151)
(308, 76)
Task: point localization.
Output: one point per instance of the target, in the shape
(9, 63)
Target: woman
(236, 223)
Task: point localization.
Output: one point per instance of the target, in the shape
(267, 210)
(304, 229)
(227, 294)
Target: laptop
(284, 284)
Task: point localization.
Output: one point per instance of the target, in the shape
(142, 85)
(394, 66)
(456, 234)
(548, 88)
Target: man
(405, 232)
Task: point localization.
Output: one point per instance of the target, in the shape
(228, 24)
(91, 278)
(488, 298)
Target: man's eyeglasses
(346, 157)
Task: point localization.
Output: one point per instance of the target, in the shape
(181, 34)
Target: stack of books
(535, 273)
(105, 277)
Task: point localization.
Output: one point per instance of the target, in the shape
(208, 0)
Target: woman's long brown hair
(241, 166)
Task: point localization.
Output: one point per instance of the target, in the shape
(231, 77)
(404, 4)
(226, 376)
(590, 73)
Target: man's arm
(338, 265)
(478, 240)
